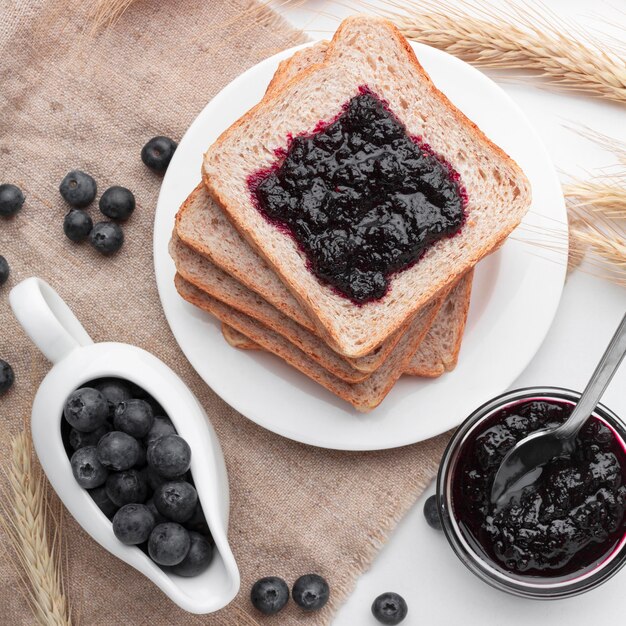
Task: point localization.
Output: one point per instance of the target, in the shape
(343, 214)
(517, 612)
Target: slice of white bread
(439, 352)
(207, 277)
(372, 52)
(203, 227)
(364, 396)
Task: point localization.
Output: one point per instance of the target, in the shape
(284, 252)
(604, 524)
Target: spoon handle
(600, 380)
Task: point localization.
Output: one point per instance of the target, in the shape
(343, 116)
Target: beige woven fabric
(68, 101)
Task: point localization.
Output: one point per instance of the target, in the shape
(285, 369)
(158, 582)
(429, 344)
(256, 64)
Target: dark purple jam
(568, 521)
(362, 199)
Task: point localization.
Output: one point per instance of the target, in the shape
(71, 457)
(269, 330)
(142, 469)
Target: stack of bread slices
(238, 266)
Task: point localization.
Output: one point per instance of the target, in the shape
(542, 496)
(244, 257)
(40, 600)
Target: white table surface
(417, 562)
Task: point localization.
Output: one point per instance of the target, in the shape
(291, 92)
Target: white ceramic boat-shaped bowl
(76, 360)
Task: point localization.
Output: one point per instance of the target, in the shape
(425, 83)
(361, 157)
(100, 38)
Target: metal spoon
(540, 447)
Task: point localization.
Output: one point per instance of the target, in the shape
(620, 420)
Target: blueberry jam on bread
(362, 199)
(569, 520)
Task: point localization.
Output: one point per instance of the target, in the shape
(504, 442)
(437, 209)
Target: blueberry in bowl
(135, 468)
(560, 535)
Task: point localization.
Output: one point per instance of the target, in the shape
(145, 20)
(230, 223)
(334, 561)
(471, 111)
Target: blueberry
(127, 487)
(142, 460)
(113, 389)
(77, 225)
(133, 417)
(11, 199)
(158, 153)
(106, 237)
(176, 500)
(155, 481)
(310, 592)
(157, 516)
(269, 595)
(87, 470)
(133, 524)
(168, 544)
(7, 377)
(79, 439)
(86, 409)
(5, 270)
(118, 450)
(117, 202)
(78, 189)
(169, 456)
(431, 513)
(197, 559)
(197, 521)
(105, 504)
(160, 427)
(389, 608)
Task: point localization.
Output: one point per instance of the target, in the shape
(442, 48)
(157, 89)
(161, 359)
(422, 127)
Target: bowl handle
(47, 320)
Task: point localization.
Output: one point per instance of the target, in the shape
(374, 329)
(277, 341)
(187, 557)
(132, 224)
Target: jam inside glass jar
(568, 521)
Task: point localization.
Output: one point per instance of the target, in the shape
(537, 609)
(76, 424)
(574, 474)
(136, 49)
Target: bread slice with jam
(367, 56)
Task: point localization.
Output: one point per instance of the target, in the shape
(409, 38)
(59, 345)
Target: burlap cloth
(69, 101)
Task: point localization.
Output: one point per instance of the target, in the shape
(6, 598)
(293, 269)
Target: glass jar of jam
(560, 535)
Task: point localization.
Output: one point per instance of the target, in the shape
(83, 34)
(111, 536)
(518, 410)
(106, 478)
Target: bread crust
(364, 396)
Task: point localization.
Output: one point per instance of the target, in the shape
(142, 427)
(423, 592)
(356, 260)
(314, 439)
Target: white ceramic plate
(515, 296)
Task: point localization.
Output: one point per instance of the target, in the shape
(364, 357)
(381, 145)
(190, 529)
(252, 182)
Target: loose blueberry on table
(158, 153)
(389, 608)
(7, 377)
(310, 592)
(106, 237)
(109, 436)
(269, 595)
(11, 199)
(568, 521)
(5, 270)
(77, 225)
(78, 189)
(431, 513)
(117, 202)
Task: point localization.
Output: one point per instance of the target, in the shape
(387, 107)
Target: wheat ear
(27, 519)
(515, 37)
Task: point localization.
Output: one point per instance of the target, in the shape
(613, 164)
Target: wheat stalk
(604, 240)
(515, 37)
(606, 195)
(29, 523)
(104, 13)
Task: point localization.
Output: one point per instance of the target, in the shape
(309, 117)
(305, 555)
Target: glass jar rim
(532, 587)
